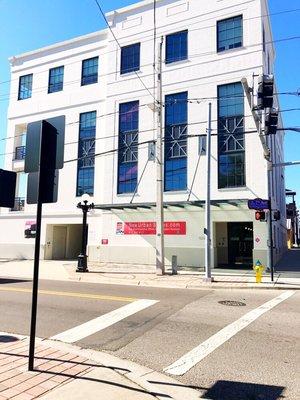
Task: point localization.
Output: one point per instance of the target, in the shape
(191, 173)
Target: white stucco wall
(200, 75)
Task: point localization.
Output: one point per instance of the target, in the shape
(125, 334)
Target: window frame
(133, 163)
(178, 58)
(133, 68)
(53, 84)
(83, 77)
(81, 140)
(20, 91)
(179, 145)
(239, 141)
(219, 50)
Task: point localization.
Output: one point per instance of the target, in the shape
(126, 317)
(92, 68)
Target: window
(56, 79)
(177, 47)
(89, 71)
(128, 147)
(130, 58)
(86, 153)
(231, 146)
(230, 33)
(176, 142)
(25, 87)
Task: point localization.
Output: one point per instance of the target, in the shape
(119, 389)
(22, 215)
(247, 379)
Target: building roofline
(57, 45)
(130, 7)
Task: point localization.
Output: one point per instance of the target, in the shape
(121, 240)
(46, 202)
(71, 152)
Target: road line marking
(193, 357)
(104, 321)
(70, 294)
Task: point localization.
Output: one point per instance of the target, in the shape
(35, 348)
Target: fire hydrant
(259, 269)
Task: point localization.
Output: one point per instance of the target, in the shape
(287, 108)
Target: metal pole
(160, 256)
(208, 277)
(35, 279)
(270, 263)
(82, 258)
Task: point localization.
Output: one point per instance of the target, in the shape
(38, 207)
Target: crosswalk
(104, 321)
(188, 360)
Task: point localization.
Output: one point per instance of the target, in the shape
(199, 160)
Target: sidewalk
(140, 275)
(69, 372)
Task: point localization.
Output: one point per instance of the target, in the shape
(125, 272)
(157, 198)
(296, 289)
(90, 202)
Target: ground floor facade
(126, 235)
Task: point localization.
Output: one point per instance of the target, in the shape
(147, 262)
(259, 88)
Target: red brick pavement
(53, 368)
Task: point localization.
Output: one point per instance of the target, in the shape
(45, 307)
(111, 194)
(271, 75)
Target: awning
(168, 204)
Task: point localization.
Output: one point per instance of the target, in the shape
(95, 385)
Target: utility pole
(160, 250)
(207, 230)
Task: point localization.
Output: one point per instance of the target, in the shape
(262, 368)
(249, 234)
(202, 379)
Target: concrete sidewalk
(69, 372)
(144, 276)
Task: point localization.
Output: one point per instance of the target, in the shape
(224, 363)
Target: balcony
(19, 157)
(20, 153)
(19, 204)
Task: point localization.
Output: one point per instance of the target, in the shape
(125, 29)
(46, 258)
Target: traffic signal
(271, 122)
(260, 216)
(265, 92)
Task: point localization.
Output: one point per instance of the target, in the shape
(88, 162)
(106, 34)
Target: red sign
(104, 241)
(149, 228)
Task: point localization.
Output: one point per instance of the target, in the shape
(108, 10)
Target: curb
(206, 286)
(158, 385)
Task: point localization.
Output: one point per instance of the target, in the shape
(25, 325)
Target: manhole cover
(232, 303)
(8, 338)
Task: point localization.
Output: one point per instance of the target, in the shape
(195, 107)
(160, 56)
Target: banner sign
(149, 228)
(258, 204)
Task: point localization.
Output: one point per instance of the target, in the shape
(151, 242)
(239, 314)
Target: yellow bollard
(259, 269)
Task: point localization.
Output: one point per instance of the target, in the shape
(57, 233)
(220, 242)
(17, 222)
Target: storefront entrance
(240, 244)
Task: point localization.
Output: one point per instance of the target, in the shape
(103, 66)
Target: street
(156, 327)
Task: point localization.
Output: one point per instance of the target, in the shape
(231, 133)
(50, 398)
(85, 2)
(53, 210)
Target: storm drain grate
(232, 303)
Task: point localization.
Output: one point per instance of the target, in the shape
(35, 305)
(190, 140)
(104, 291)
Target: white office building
(106, 91)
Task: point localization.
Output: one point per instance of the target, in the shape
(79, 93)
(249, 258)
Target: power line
(141, 131)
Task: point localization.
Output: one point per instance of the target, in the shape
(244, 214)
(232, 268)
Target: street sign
(258, 204)
(7, 188)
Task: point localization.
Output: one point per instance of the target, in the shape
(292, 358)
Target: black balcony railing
(19, 204)
(20, 153)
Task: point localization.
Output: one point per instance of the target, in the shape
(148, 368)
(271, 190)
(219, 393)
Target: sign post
(44, 155)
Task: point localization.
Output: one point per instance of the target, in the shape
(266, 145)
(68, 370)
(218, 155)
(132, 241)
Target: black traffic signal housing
(260, 215)
(276, 215)
(265, 92)
(271, 122)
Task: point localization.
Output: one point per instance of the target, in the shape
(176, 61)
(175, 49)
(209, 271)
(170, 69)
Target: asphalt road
(261, 361)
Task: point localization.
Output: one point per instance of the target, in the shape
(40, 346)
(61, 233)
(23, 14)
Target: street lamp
(85, 207)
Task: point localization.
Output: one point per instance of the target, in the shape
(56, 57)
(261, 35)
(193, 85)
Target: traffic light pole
(270, 264)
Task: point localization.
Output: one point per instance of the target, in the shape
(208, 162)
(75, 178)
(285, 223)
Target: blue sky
(29, 24)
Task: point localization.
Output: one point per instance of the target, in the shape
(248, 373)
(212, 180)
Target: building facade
(107, 90)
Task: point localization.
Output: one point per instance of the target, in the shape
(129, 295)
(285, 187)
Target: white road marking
(190, 359)
(95, 325)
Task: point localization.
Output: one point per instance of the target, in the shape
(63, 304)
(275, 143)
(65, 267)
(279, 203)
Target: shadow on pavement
(229, 390)
(12, 280)
(8, 339)
(290, 262)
